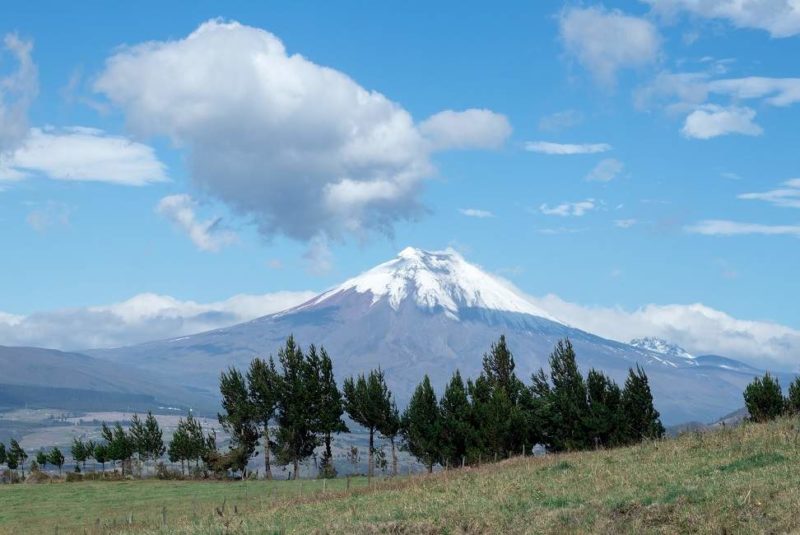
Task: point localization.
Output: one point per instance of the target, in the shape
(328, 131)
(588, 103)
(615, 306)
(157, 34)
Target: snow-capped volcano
(435, 280)
(431, 313)
(661, 346)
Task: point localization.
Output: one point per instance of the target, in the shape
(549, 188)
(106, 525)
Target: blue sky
(680, 192)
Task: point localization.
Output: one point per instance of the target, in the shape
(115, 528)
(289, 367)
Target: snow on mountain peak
(661, 346)
(437, 279)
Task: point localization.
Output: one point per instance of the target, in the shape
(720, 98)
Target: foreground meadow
(742, 480)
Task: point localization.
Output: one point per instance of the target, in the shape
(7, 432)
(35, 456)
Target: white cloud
(547, 147)
(787, 196)
(712, 121)
(469, 129)
(206, 235)
(568, 209)
(84, 154)
(475, 212)
(17, 91)
(299, 148)
(624, 223)
(605, 41)
(606, 170)
(562, 120)
(781, 18)
(141, 318)
(722, 227)
(49, 215)
(698, 328)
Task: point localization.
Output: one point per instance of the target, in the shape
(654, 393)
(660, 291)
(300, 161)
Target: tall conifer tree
(421, 425)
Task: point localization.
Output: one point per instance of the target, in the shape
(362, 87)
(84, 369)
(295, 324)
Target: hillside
(734, 480)
(36, 377)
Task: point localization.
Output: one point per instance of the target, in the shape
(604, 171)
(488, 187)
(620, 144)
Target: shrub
(74, 477)
(9, 476)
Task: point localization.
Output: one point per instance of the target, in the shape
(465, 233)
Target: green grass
(742, 480)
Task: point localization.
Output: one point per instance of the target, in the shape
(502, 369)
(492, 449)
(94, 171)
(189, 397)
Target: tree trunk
(328, 453)
(394, 458)
(296, 467)
(370, 458)
(430, 467)
(267, 468)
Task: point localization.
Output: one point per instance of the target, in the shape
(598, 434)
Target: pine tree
(639, 414)
(138, 437)
(41, 459)
(18, 455)
(197, 440)
(78, 451)
(328, 406)
(763, 398)
(604, 421)
(154, 438)
(108, 437)
(498, 369)
(263, 386)
(2, 453)
(390, 428)
(569, 406)
(238, 420)
(457, 435)
(101, 455)
(793, 399)
(179, 446)
(421, 425)
(122, 446)
(296, 436)
(367, 400)
(56, 458)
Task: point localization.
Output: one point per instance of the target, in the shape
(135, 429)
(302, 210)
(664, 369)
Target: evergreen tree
(108, 437)
(56, 458)
(569, 405)
(153, 438)
(180, 445)
(198, 442)
(2, 453)
(328, 406)
(18, 454)
(604, 421)
(90, 446)
(263, 387)
(238, 420)
(793, 399)
(138, 437)
(296, 437)
(498, 369)
(122, 446)
(490, 416)
(41, 459)
(390, 428)
(763, 398)
(101, 455)
(421, 425)
(457, 435)
(78, 451)
(367, 400)
(638, 412)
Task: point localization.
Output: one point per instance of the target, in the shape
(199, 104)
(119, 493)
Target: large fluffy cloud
(781, 18)
(142, 318)
(84, 154)
(17, 90)
(300, 148)
(606, 41)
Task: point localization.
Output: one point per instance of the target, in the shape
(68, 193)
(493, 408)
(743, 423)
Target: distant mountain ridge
(431, 313)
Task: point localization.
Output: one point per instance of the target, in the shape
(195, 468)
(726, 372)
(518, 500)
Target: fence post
(348, 483)
(462, 461)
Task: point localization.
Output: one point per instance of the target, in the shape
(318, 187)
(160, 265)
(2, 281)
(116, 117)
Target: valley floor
(742, 480)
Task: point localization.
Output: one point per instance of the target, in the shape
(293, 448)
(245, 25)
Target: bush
(37, 476)
(764, 399)
(74, 477)
(9, 476)
(164, 472)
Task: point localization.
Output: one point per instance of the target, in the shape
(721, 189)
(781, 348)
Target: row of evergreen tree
(295, 406)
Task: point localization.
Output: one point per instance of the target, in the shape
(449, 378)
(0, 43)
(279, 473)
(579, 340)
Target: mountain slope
(49, 378)
(431, 313)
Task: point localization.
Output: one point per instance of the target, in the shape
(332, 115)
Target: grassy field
(743, 480)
